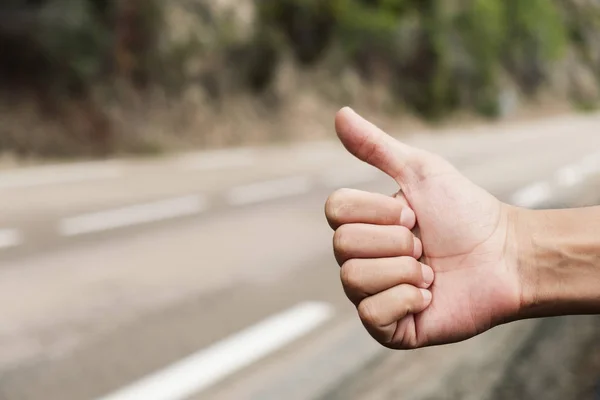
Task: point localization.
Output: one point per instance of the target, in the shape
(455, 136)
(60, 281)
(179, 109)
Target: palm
(463, 229)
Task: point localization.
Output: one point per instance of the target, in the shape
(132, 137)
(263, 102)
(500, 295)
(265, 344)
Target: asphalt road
(210, 275)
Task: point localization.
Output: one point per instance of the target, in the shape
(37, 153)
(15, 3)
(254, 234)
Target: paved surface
(125, 278)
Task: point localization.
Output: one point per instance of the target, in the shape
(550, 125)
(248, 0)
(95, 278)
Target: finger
(362, 278)
(348, 206)
(418, 246)
(380, 313)
(373, 241)
(415, 228)
(370, 144)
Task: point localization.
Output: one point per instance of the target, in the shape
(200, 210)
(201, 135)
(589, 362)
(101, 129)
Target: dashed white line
(44, 176)
(576, 173)
(203, 369)
(532, 195)
(569, 176)
(219, 160)
(9, 238)
(269, 190)
(591, 164)
(133, 215)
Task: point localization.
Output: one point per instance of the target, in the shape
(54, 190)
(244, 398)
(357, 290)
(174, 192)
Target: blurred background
(164, 166)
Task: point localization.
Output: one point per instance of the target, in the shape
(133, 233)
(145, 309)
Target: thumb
(370, 144)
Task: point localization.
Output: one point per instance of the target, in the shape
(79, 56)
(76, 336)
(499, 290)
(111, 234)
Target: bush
(433, 56)
(437, 55)
(58, 51)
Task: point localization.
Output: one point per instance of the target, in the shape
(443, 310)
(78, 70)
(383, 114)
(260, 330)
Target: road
(210, 275)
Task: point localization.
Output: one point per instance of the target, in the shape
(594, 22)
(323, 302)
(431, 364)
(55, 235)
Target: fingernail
(348, 110)
(428, 275)
(426, 295)
(417, 248)
(408, 218)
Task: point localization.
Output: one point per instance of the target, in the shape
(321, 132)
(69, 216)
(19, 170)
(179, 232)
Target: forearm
(559, 262)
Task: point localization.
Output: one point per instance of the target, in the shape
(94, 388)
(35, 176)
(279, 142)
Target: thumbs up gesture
(435, 264)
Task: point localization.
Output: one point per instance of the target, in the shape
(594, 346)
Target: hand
(465, 240)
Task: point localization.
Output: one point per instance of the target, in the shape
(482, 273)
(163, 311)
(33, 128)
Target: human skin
(443, 260)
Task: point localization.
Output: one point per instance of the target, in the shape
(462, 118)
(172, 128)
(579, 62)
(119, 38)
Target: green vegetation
(435, 56)
(439, 54)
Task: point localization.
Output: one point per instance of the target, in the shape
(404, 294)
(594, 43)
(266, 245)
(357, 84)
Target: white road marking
(203, 369)
(224, 159)
(132, 215)
(591, 164)
(53, 175)
(569, 176)
(269, 190)
(532, 195)
(9, 238)
(347, 177)
(576, 173)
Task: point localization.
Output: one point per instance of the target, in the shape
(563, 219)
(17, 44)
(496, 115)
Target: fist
(378, 255)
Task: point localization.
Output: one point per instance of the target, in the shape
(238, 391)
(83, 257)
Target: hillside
(92, 77)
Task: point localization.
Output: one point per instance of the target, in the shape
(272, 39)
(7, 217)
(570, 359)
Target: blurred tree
(137, 25)
(56, 51)
(536, 33)
(307, 24)
(433, 55)
(421, 62)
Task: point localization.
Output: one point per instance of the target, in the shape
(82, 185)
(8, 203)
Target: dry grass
(300, 107)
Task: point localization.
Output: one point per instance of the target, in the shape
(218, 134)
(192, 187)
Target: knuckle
(351, 275)
(368, 314)
(338, 240)
(335, 204)
(341, 238)
(331, 206)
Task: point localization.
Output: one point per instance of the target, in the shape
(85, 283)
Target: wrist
(533, 295)
(558, 262)
(518, 255)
